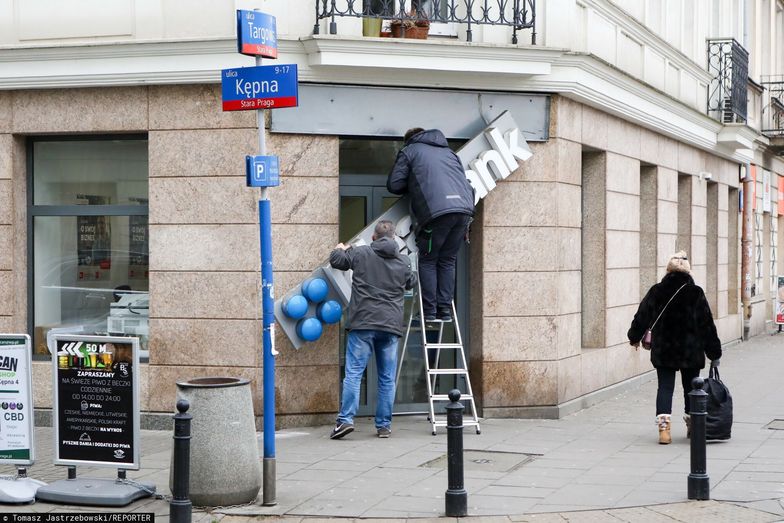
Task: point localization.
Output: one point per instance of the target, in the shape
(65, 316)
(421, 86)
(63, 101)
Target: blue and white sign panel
(256, 34)
(260, 87)
(262, 171)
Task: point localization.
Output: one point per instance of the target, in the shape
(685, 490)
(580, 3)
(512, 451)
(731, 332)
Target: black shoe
(340, 430)
(384, 432)
(444, 315)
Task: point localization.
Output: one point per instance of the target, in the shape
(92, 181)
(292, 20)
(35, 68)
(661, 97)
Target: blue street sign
(262, 171)
(256, 34)
(260, 87)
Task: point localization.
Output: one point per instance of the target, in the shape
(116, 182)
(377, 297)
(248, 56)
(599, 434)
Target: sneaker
(384, 432)
(340, 430)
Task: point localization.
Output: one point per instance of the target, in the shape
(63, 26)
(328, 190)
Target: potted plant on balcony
(416, 26)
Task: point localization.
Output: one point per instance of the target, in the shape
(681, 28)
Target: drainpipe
(746, 248)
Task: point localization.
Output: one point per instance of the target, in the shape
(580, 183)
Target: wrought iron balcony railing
(517, 14)
(728, 63)
(773, 106)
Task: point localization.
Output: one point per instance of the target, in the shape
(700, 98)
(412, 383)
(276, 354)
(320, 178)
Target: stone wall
(204, 241)
(599, 201)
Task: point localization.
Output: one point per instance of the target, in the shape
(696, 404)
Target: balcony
(444, 17)
(728, 64)
(773, 111)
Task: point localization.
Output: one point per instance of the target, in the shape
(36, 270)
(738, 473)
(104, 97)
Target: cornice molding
(637, 29)
(361, 61)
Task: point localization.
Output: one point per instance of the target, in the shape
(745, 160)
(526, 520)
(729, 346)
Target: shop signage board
(256, 34)
(259, 87)
(488, 158)
(16, 400)
(262, 171)
(96, 401)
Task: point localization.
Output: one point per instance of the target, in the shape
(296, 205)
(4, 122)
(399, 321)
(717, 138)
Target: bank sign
(260, 87)
(488, 158)
(256, 34)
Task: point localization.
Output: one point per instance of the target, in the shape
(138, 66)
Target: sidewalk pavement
(600, 464)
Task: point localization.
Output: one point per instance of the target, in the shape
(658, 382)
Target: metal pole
(456, 499)
(268, 321)
(180, 507)
(698, 482)
(746, 242)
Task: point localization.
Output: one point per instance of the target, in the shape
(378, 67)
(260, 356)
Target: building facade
(123, 206)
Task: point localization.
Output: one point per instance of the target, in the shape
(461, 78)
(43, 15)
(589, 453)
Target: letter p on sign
(262, 171)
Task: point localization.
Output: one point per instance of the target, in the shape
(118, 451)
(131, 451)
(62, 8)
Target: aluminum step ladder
(434, 373)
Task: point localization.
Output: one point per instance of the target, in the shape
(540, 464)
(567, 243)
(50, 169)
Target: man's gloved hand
(715, 363)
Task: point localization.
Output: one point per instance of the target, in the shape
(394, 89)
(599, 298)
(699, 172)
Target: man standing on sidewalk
(375, 322)
(442, 202)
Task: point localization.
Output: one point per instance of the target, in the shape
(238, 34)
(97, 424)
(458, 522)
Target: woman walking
(683, 333)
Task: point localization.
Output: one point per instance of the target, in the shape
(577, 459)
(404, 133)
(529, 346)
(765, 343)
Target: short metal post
(698, 483)
(456, 498)
(180, 507)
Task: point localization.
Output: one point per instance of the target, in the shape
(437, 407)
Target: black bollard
(699, 483)
(456, 499)
(180, 507)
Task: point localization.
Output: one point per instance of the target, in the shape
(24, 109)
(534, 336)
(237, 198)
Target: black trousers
(439, 242)
(667, 387)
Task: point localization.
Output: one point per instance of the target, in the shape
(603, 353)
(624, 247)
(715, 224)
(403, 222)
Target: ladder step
(443, 346)
(447, 371)
(466, 423)
(445, 397)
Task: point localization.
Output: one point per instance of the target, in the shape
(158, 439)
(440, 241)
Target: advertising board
(96, 401)
(16, 400)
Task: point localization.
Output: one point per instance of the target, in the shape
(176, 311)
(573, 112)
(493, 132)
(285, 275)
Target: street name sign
(256, 34)
(260, 87)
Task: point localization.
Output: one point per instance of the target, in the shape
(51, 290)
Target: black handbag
(718, 423)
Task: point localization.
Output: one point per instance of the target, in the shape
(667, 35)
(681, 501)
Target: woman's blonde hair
(679, 262)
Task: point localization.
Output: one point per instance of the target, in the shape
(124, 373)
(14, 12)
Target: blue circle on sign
(309, 329)
(295, 307)
(329, 312)
(315, 289)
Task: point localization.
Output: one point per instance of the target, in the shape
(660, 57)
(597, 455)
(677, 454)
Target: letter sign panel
(262, 171)
(256, 34)
(260, 87)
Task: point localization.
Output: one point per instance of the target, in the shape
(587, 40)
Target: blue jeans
(359, 345)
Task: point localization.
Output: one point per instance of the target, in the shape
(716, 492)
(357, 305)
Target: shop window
(733, 273)
(89, 246)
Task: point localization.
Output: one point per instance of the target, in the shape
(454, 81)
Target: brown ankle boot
(687, 420)
(663, 421)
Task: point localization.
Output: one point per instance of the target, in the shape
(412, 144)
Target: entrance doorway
(364, 197)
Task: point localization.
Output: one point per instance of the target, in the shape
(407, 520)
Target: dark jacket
(428, 170)
(381, 276)
(685, 333)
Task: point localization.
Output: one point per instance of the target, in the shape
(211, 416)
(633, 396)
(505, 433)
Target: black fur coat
(685, 333)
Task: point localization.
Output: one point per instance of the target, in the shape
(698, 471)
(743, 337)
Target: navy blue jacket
(428, 171)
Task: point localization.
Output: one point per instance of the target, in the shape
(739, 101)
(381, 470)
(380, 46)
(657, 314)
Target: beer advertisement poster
(780, 300)
(16, 400)
(96, 418)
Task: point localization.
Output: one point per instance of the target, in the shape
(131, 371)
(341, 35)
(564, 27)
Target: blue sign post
(262, 171)
(256, 34)
(258, 88)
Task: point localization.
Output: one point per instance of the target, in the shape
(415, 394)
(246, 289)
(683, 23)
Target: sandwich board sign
(16, 400)
(95, 417)
(17, 439)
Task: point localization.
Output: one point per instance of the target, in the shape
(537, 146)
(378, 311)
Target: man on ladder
(442, 203)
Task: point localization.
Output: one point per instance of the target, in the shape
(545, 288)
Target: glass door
(362, 199)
